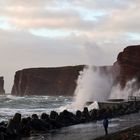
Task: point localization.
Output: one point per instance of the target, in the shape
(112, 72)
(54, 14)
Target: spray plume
(92, 85)
(97, 84)
(130, 89)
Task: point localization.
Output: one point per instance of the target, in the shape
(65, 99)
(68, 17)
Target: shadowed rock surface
(129, 62)
(50, 81)
(2, 91)
(62, 80)
(46, 81)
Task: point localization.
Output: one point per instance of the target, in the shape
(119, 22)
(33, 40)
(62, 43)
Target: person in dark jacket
(105, 124)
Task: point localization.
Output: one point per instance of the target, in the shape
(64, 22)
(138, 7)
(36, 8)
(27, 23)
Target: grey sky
(44, 33)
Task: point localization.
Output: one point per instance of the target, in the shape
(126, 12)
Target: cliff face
(49, 81)
(62, 80)
(2, 91)
(46, 81)
(129, 63)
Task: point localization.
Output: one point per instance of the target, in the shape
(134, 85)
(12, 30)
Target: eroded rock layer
(46, 81)
(129, 63)
(62, 80)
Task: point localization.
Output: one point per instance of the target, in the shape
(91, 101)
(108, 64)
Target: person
(105, 124)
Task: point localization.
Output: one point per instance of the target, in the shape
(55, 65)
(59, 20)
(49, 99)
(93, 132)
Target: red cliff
(129, 63)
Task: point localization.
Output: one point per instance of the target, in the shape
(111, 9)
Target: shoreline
(25, 127)
(89, 131)
(131, 133)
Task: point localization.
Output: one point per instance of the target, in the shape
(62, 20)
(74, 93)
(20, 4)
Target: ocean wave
(29, 105)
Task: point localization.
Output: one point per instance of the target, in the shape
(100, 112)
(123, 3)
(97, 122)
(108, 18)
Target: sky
(50, 33)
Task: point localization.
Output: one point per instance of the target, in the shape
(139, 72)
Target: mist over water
(92, 85)
(28, 105)
(130, 89)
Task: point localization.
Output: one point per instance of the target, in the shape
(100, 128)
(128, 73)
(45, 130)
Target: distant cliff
(129, 63)
(2, 91)
(46, 81)
(62, 80)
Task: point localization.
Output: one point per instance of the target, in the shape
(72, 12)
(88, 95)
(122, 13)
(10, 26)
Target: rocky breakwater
(46, 81)
(18, 127)
(129, 63)
(2, 91)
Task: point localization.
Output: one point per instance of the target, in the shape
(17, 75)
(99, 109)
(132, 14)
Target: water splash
(92, 85)
(130, 89)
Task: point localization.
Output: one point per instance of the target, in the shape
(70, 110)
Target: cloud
(36, 18)
(20, 50)
(52, 33)
(98, 17)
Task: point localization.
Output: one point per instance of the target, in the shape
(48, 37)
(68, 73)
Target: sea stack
(2, 91)
(46, 81)
(62, 80)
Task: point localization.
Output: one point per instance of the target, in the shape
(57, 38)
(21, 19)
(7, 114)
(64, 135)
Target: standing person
(105, 124)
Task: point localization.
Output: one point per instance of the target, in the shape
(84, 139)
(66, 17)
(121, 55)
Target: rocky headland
(50, 81)
(62, 80)
(46, 81)
(2, 91)
(129, 64)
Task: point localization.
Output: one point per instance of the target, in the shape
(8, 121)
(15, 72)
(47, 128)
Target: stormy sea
(28, 105)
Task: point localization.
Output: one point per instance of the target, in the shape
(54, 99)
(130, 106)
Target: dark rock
(25, 127)
(2, 91)
(53, 115)
(62, 80)
(78, 114)
(86, 115)
(67, 118)
(46, 81)
(34, 116)
(93, 114)
(80, 118)
(14, 126)
(44, 116)
(129, 63)
(37, 124)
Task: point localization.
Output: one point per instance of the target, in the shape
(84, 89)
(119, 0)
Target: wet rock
(129, 63)
(53, 115)
(80, 118)
(46, 81)
(45, 117)
(86, 115)
(25, 127)
(93, 114)
(67, 118)
(37, 124)
(14, 126)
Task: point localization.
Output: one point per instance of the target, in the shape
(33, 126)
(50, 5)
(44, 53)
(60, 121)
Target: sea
(28, 105)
